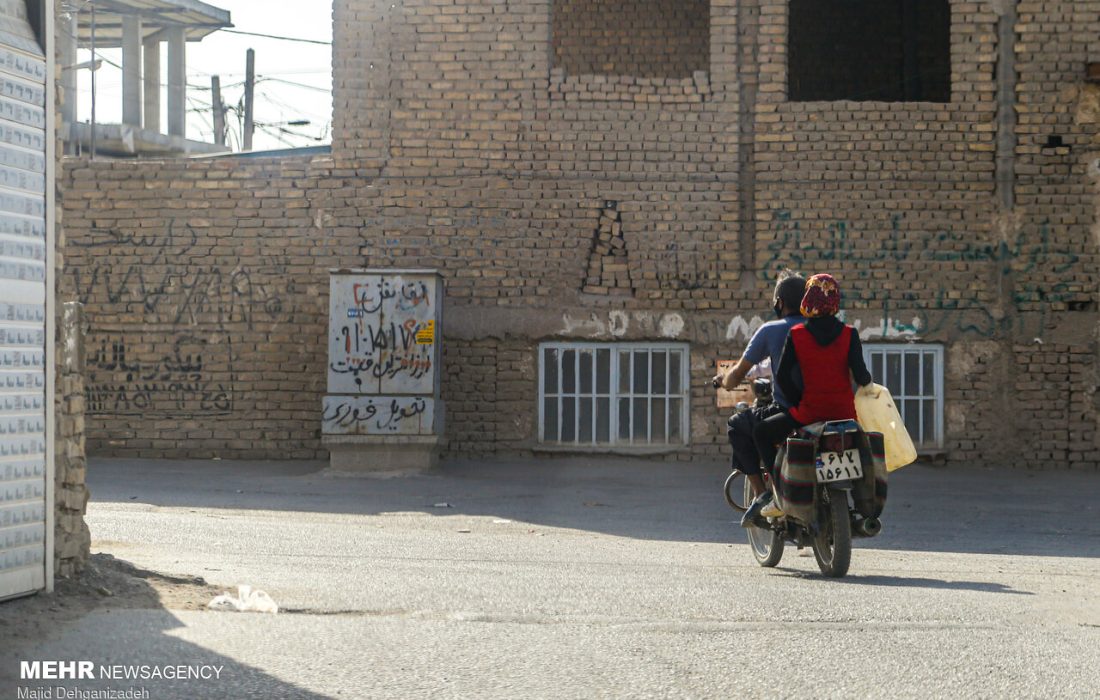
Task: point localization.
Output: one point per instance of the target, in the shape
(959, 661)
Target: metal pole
(92, 3)
(249, 96)
(219, 109)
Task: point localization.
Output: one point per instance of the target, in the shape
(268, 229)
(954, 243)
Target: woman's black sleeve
(856, 362)
(785, 375)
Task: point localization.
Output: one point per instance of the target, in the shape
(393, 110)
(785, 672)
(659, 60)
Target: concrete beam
(131, 71)
(152, 84)
(177, 82)
(68, 72)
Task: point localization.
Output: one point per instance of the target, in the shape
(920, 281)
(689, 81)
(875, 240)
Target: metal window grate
(914, 376)
(618, 394)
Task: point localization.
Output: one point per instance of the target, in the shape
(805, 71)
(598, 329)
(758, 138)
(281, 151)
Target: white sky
(223, 54)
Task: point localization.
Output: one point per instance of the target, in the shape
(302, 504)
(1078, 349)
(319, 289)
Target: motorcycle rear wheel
(833, 544)
(766, 545)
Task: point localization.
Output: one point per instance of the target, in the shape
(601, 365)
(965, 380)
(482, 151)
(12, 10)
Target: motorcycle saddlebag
(869, 493)
(795, 487)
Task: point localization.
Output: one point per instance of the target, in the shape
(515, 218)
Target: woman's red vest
(826, 384)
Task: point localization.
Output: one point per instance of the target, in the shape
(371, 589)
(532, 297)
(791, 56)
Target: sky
(278, 65)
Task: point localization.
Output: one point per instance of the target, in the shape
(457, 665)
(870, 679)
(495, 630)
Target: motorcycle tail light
(832, 443)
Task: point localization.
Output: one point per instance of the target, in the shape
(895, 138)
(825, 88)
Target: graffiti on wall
(184, 366)
(169, 278)
(378, 415)
(684, 266)
(947, 310)
(382, 334)
(153, 373)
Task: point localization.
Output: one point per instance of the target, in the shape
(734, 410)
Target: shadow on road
(130, 627)
(908, 582)
(930, 509)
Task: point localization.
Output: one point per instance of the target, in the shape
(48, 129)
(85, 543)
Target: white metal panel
(24, 313)
(382, 333)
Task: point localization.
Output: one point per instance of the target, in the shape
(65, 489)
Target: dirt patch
(106, 583)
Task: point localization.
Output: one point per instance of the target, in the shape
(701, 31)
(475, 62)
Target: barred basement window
(914, 376)
(615, 394)
(885, 50)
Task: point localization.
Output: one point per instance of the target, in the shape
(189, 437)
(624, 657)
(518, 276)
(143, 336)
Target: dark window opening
(636, 38)
(881, 50)
(36, 17)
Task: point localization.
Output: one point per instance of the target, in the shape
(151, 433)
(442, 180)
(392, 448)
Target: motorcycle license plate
(839, 466)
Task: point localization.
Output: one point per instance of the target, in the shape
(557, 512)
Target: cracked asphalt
(588, 578)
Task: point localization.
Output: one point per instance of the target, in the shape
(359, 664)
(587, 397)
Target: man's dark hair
(789, 289)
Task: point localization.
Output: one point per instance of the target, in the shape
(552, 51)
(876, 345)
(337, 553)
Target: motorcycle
(831, 488)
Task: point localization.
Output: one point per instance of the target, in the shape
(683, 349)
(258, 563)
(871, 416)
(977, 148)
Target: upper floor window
(864, 50)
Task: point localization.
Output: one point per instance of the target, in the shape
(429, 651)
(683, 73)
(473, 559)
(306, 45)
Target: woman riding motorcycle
(828, 355)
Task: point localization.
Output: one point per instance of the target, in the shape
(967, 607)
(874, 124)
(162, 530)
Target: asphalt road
(561, 579)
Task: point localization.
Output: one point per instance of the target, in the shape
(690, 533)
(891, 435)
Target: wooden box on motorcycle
(795, 488)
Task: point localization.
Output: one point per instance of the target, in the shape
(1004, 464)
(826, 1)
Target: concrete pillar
(152, 85)
(177, 82)
(131, 70)
(68, 36)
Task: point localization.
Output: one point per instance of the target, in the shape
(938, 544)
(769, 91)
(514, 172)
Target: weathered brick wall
(638, 38)
(72, 539)
(458, 145)
(203, 284)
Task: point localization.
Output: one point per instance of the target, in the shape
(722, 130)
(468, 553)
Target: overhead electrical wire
(280, 38)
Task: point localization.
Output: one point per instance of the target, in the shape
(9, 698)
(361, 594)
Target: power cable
(280, 38)
(291, 82)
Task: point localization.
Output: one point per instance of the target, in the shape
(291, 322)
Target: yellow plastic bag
(877, 413)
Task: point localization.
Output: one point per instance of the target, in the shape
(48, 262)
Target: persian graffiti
(158, 373)
(382, 335)
(378, 415)
(683, 266)
(1024, 257)
(161, 284)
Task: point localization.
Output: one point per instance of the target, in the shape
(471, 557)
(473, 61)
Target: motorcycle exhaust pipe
(867, 527)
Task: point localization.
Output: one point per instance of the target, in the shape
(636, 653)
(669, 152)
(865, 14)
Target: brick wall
(458, 145)
(638, 38)
(72, 539)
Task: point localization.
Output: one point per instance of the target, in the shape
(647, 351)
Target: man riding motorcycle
(825, 355)
(766, 343)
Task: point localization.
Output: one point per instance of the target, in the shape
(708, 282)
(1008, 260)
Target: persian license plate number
(839, 466)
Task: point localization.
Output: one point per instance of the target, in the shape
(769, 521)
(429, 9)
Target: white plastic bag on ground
(877, 413)
(247, 600)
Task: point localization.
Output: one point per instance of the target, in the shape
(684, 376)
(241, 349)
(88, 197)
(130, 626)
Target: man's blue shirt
(768, 341)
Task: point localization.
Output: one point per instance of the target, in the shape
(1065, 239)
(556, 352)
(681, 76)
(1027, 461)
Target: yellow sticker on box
(426, 334)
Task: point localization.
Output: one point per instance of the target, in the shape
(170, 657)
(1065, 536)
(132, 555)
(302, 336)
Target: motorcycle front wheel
(766, 545)
(833, 543)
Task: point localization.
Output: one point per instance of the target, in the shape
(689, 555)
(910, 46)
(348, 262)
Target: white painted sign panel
(383, 333)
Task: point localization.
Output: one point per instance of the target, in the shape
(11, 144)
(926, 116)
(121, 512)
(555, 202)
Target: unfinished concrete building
(609, 189)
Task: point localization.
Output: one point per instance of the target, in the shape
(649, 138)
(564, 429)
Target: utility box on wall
(382, 411)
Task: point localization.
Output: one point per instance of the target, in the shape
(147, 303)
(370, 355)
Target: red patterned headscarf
(822, 297)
